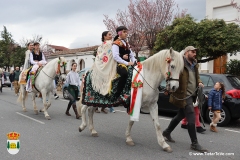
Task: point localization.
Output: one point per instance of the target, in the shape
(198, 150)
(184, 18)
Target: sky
(69, 23)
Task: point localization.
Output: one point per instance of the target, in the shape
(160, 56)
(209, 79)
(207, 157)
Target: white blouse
(73, 78)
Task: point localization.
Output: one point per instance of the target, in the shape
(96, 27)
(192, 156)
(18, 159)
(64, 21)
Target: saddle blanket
(93, 98)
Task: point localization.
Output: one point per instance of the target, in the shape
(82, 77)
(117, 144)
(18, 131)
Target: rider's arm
(115, 52)
(133, 59)
(31, 59)
(43, 59)
(27, 54)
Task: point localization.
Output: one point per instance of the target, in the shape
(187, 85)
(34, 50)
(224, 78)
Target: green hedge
(233, 67)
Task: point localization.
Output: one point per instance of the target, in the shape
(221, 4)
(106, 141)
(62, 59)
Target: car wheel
(225, 116)
(65, 93)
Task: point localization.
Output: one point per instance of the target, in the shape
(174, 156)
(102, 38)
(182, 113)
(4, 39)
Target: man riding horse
(122, 54)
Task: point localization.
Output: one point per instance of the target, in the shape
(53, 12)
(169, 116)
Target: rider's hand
(130, 63)
(40, 64)
(209, 108)
(125, 56)
(201, 85)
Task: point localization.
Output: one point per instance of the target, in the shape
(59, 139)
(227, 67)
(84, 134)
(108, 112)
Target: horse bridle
(169, 75)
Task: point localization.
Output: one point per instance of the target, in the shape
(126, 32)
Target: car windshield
(234, 81)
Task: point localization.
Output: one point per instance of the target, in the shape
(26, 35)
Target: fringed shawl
(104, 69)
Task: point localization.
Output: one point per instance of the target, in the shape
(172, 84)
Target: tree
(214, 38)
(144, 19)
(237, 7)
(6, 48)
(18, 56)
(233, 67)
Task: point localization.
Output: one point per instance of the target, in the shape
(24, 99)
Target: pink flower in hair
(120, 32)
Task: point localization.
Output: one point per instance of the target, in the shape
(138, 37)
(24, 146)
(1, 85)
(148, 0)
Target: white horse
(154, 71)
(43, 84)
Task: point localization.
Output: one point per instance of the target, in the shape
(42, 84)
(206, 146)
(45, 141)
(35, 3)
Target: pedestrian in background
(215, 100)
(16, 79)
(11, 78)
(73, 80)
(197, 122)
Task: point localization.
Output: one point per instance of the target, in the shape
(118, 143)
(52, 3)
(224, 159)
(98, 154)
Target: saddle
(24, 76)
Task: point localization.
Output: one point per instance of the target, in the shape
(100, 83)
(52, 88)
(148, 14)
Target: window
(207, 81)
(235, 82)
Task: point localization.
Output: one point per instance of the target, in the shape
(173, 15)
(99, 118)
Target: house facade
(82, 56)
(221, 9)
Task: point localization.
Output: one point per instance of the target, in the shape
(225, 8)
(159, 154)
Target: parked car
(7, 82)
(65, 94)
(231, 106)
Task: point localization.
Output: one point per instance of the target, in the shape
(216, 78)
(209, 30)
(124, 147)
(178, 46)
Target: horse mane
(55, 60)
(158, 61)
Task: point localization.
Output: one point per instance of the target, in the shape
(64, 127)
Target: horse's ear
(171, 51)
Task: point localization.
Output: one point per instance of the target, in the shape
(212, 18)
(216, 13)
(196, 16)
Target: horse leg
(45, 104)
(49, 100)
(79, 106)
(84, 119)
(34, 103)
(90, 122)
(161, 140)
(22, 97)
(129, 140)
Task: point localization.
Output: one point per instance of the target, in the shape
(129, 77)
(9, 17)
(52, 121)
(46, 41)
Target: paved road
(59, 138)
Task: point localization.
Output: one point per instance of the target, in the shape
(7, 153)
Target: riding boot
(76, 112)
(192, 133)
(167, 132)
(68, 108)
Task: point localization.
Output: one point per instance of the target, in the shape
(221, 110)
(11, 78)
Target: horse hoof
(36, 111)
(80, 130)
(24, 110)
(95, 134)
(168, 149)
(48, 117)
(130, 143)
(40, 110)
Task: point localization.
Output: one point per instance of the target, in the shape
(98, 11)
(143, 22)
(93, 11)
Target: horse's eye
(172, 66)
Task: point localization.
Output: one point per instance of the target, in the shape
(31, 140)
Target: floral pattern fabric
(93, 98)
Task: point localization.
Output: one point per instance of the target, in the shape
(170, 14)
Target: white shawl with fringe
(104, 69)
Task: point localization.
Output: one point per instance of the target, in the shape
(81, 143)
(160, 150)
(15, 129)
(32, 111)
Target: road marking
(30, 118)
(165, 119)
(121, 111)
(232, 130)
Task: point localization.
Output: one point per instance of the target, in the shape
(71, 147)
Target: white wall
(86, 56)
(220, 9)
(234, 57)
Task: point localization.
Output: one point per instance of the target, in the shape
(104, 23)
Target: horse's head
(174, 66)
